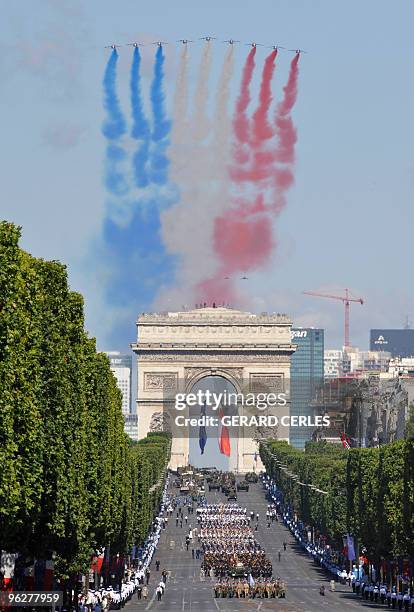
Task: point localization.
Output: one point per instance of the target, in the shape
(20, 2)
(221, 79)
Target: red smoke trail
(262, 130)
(260, 160)
(242, 241)
(241, 122)
(284, 124)
(286, 132)
(243, 236)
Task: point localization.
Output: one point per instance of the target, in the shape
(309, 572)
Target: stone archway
(176, 350)
(211, 455)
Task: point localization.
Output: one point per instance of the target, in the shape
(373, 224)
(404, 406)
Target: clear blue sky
(350, 216)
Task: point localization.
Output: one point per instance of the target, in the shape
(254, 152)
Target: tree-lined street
(184, 590)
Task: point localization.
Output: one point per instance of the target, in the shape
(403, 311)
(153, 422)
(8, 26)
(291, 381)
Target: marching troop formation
(241, 588)
(232, 553)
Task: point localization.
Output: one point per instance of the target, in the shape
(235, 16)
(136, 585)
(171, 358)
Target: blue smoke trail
(140, 128)
(162, 126)
(113, 128)
(137, 262)
(140, 267)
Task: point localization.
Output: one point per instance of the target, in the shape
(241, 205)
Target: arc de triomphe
(176, 350)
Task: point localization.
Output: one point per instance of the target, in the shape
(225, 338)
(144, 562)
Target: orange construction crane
(346, 299)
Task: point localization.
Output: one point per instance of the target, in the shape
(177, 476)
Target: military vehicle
(243, 486)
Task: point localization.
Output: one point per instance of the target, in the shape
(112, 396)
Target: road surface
(185, 593)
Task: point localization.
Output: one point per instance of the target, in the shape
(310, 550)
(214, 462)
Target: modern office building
(398, 342)
(121, 366)
(131, 426)
(307, 374)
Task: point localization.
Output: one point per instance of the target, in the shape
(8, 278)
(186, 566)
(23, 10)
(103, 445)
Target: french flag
(345, 441)
(224, 437)
(202, 433)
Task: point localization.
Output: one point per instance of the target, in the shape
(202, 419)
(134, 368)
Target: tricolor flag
(202, 433)
(345, 441)
(224, 437)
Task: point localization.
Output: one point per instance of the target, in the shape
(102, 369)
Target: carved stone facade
(164, 381)
(178, 349)
(267, 383)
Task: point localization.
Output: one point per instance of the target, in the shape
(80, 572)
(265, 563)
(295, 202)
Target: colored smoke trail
(180, 107)
(241, 122)
(284, 125)
(262, 130)
(140, 128)
(161, 125)
(201, 123)
(243, 235)
(221, 119)
(180, 125)
(114, 126)
(287, 137)
(258, 163)
(201, 168)
(113, 129)
(131, 254)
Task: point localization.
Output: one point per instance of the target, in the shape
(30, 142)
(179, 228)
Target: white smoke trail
(180, 126)
(223, 129)
(200, 167)
(180, 108)
(201, 123)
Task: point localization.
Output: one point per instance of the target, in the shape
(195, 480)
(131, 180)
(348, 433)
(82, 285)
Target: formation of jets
(241, 278)
(185, 41)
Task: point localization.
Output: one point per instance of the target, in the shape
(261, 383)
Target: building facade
(355, 361)
(177, 352)
(333, 363)
(307, 374)
(397, 342)
(131, 426)
(121, 367)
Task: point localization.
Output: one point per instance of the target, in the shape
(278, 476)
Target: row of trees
(366, 492)
(71, 481)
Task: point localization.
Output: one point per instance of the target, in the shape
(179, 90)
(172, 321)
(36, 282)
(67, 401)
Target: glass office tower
(307, 369)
